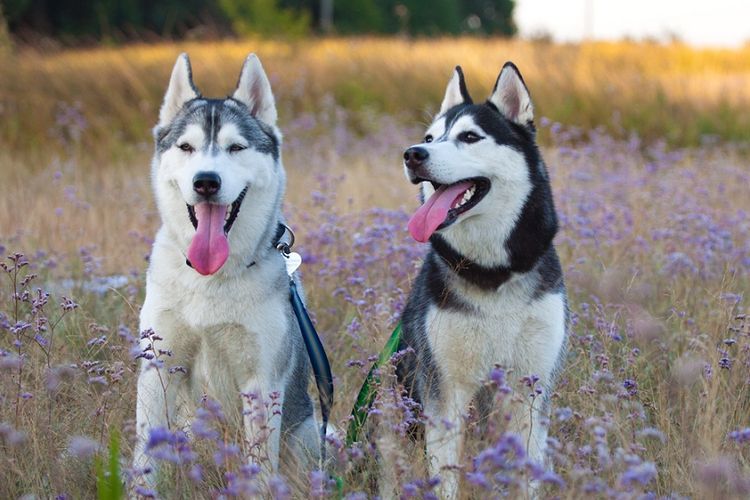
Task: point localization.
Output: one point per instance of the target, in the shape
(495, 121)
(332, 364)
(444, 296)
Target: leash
(319, 360)
(367, 393)
(315, 350)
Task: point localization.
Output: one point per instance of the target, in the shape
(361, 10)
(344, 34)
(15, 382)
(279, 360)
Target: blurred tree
(265, 17)
(358, 16)
(492, 17)
(416, 17)
(350, 16)
(6, 43)
(75, 20)
(432, 17)
(326, 16)
(14, 8)
(179, 17)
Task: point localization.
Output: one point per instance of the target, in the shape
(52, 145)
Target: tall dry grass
(672, 92)
(655, 243)
(87, 114)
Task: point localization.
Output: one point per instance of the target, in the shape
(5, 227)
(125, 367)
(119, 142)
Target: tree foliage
(96, 20)
(110, 19)
(264, 17)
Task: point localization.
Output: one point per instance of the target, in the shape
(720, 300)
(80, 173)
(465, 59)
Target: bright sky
(722, 23)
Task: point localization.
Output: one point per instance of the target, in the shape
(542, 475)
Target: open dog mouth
(445, 205)
(230, 217)
(209, 248)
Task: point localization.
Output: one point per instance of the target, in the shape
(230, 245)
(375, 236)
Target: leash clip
(315, 351)
(281, 245)
(292, 259)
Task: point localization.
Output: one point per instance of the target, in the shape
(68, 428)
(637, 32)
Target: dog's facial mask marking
(457, 138)
(213, 151)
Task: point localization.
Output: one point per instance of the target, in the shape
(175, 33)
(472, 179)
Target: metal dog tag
(293, 260)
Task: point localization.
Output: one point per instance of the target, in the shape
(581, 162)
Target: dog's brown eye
(234, 148)
(469, 137)
(428, 138)
(186, 147)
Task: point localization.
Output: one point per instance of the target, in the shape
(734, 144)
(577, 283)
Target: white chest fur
(228, 331)
(507, 327)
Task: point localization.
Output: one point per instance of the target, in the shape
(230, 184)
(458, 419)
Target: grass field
(647, 149)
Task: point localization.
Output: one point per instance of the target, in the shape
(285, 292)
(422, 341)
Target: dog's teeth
(468, 194)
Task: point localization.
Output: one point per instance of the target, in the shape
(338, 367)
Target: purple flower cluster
(740, 436)
(651, 401)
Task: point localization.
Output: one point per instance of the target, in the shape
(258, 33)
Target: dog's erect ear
(254, 90)
(180, 90)
(511, 96)
(456, 92)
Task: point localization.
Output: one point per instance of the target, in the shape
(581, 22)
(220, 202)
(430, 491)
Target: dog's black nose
(415, 156)
(206, 183)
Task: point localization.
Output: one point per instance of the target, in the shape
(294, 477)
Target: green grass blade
(108, 480)
(367, 393)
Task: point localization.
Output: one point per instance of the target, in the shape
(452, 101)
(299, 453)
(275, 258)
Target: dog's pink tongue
(429, 216)
(209, 249)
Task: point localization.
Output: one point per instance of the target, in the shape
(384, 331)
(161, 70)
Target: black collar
(280, 230)
(486, 278)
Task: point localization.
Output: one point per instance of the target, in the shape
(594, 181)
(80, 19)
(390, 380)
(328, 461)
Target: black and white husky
(491, 288)
(217, 292)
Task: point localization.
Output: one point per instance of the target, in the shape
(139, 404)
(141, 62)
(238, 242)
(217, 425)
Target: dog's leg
(300, 451)
(536, 439)
(262, 420)
(390, 452)
(155, 407)
(444, 437)
(528, 421)
(304, 444)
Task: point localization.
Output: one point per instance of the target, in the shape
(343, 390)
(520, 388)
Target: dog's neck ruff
(486, 278)
(280, 230)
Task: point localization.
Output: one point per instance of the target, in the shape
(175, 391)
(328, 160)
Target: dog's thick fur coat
(231, 329)
(490, 291)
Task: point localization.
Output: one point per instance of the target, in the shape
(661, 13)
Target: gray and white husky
(490, 291)
(217, 292)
